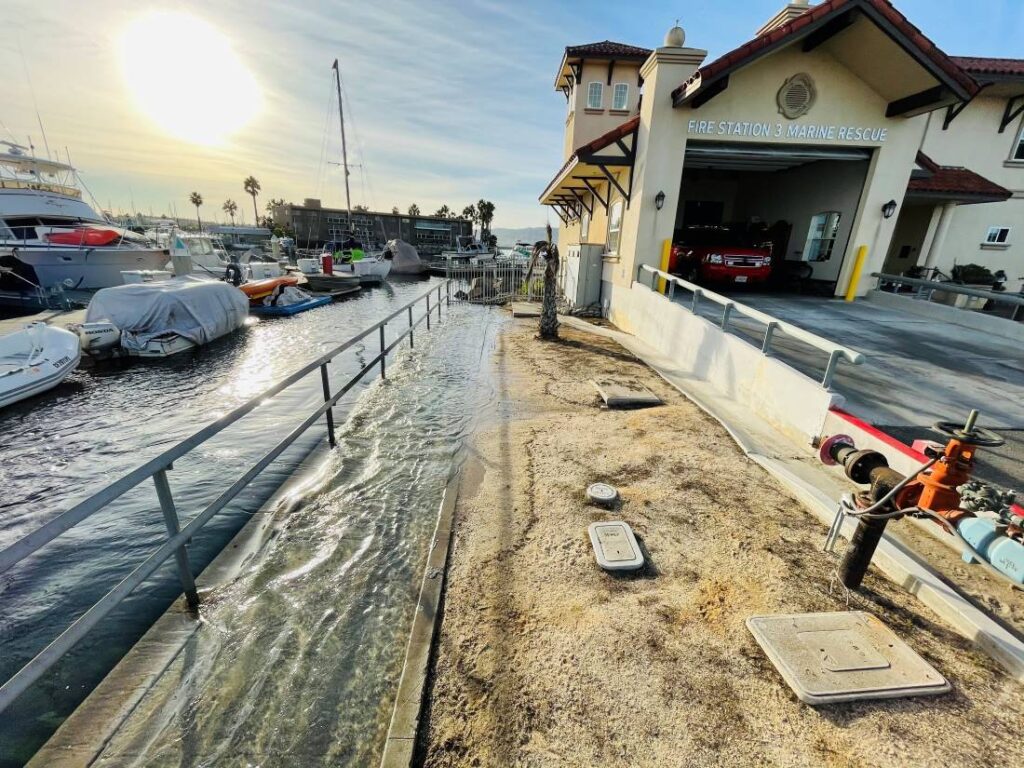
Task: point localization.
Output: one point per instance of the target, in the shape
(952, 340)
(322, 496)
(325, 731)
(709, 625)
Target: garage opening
(773, 216)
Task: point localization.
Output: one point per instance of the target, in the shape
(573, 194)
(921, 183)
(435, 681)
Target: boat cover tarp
(197, 309)
(405, 259)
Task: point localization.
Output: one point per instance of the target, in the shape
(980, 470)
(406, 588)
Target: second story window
(620, 96)
(595, 96)
(1018, 150)
(997, 235)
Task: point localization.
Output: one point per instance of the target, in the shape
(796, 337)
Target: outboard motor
(98, 339)
(233, 271)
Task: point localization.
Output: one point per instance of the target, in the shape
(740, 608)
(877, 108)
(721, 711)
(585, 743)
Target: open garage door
(795, 203)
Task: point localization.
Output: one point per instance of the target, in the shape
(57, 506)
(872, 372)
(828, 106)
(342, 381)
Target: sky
(446, 102)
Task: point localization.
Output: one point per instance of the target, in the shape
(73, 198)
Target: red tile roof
(752, 49)
(607, 48)
(977, 65)
(954, 181)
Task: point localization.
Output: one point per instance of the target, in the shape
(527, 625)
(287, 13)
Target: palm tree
(252, 187)
(394, 210)
(485, 212)
(230, 207)
(548, 309)
(197, 200)
(414, 210)
(469, 212)
(442, 212)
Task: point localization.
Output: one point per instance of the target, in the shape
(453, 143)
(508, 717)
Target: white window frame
(600, 95)
(615, 208)
(625, 98)
(1017, 151)
(992, 238)
(584, 227)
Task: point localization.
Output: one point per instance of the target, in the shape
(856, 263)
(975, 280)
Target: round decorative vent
(796, 96)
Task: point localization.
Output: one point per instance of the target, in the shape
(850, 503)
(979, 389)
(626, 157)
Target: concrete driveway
(918, 371)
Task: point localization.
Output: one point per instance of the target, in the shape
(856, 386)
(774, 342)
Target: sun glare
(185, 77)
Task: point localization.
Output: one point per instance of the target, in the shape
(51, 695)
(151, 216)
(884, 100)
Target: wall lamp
(659, 200)
(889, 209)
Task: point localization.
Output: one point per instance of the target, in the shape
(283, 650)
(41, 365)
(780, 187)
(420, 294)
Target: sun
(184, 76)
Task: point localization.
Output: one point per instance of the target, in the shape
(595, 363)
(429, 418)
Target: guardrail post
(163, 492)
(448, 292)
(696, 300)
(766, 346)
(383, 354)
(412, 343)
(428, 311)
(830, 369)
(439, 303)
(330, 411)
(726, 312)
(639, 271)
(654, 281)
(671, 290)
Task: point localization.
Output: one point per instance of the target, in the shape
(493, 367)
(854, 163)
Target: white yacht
(467, 247)
(50, 238)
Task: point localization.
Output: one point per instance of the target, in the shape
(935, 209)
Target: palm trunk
(549, 311)
(199, 219)
(255, 212)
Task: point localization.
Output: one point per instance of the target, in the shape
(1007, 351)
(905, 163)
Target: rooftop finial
(675, 37)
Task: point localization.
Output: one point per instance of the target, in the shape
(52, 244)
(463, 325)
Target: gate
(494, 281)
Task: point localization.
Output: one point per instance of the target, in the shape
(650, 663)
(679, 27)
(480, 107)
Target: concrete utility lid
(617, 394)
(615, 546)
(834, 657)
(602, 493)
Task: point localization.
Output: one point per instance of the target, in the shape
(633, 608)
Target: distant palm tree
(394, 210)
(485, 212)
(252, 187)
(197, 200)
(414, 210)
(442, 212)
(469, 212)
(230, 207)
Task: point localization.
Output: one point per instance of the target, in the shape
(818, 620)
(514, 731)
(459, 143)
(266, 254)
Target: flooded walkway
(296, 659)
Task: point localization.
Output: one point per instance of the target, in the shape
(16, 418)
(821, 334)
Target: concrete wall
(784, 397)
(584, 125)
(995, 326)
(911, 228)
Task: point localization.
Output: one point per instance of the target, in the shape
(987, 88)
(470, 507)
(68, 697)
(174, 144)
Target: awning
(430, 225)
(949, 183)
(764, 157)
(596, 168)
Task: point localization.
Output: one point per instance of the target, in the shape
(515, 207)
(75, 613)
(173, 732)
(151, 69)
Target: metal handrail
(1009, 298)
(157, 468)
(836, 352)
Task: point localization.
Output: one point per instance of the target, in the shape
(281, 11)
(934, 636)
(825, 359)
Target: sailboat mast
(344, 151)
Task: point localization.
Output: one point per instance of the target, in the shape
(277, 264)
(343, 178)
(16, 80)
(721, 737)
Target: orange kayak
(260, 289)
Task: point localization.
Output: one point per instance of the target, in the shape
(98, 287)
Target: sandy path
(544, 660)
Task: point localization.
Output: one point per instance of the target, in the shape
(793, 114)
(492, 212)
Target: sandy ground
(544, 660)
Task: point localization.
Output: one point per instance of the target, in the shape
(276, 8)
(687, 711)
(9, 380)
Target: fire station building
(839, 125)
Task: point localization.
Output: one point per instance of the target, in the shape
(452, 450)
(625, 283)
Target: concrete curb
(400, 745)
(897, 562)
(82, 737)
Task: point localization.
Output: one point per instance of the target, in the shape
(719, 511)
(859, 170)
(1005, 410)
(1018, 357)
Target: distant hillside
(526, 234)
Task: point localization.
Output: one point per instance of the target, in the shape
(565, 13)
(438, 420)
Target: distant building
(313, 225)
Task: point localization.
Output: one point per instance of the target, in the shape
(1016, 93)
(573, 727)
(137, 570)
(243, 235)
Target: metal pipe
(330, 412)
(428, 311)
(972, 419)
(188, 584)
(769, 331)
(726, 311)
(858, 554)
(1009, 298)
(830, 369)
(383, 354)
(412, 341)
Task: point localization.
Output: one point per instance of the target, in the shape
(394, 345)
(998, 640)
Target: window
(821, 236)
(997, 236)
(620, 96)
(614, 226)
(1018, 150)
(584, 227)
(595, 96)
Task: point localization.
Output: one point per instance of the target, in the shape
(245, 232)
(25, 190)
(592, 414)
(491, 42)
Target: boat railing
(156, 469)
(730, 307)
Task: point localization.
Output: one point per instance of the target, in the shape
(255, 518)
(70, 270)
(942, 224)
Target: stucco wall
(910, 230)
(586, 125)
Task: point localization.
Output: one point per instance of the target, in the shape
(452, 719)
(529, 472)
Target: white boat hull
(35, 360)
(87, 268)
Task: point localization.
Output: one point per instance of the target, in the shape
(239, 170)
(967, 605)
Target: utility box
(581, 275)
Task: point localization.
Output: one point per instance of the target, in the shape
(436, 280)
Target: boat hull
(60, 357)
(87, 268)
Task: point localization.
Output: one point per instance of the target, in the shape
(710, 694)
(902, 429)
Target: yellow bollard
(858, 266)
(666, 254)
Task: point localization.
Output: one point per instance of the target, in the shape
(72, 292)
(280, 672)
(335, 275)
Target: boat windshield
(199, 246)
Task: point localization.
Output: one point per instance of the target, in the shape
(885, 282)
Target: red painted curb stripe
(888, 439)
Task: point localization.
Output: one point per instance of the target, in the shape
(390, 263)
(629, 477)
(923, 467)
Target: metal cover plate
(617, 394)
(844, 656)
(615, 546)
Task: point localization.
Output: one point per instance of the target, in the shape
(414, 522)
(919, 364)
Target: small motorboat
(160, 319)
(289, 300)
(35, 359)
(257, 290)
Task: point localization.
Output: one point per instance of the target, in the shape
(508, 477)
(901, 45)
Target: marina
(372, 404)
